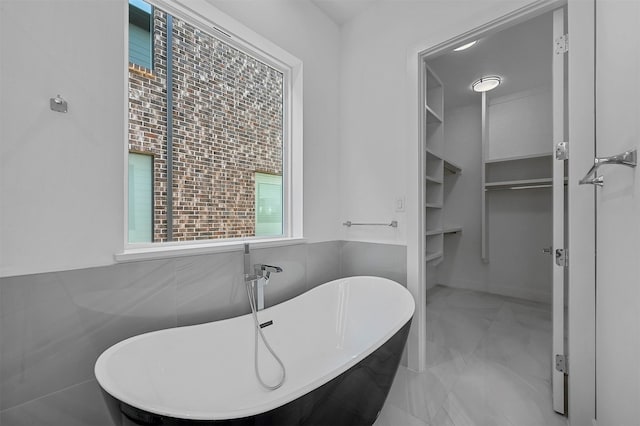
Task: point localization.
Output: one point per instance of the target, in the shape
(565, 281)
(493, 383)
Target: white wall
(462, 265)
(511, 131)
(520, 222)
(376, 129)
(62, 183)
(62, 174)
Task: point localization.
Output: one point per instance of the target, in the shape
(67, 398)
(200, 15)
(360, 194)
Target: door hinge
(562, 257)
(562, 44)
(562, 364)
(562, 151)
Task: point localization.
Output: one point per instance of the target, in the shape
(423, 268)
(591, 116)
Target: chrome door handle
(598, 181)
(627, 158)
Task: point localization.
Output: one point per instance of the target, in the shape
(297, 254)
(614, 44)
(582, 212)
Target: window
(214, 118)
(140, 198)
(268, 205)
(140, 40)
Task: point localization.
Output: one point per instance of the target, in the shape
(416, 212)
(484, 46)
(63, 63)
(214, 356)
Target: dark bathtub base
(353, 398)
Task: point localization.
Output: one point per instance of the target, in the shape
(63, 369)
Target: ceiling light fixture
(486, 83)
(465, 46)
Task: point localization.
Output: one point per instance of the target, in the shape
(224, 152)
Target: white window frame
(208, 18)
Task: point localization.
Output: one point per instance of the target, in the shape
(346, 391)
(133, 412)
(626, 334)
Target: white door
(559, 245)
(617, 214)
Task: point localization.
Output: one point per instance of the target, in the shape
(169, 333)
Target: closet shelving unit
(519, 184)
(527, 171)
(452, 168)
(533, 171)
(452, 230)
(436, 169)
(518, 172)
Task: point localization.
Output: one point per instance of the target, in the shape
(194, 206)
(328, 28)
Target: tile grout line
(47, 395)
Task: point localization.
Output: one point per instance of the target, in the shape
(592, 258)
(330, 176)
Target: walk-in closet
(489, 220)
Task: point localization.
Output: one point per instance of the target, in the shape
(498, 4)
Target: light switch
(400, 204)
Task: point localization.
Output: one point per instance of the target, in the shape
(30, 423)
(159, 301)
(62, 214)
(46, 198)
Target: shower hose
(252, 302)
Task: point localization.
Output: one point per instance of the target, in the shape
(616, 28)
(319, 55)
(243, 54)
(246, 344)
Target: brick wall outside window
(227, 125)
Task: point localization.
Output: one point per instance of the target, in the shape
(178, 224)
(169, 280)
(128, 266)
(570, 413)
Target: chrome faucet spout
(259, 279)
(265, 270)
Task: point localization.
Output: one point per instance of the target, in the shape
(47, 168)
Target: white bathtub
(205, 372)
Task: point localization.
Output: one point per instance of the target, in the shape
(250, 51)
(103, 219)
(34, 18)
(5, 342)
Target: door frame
(581, 233)
(582, 215)
(559, 193)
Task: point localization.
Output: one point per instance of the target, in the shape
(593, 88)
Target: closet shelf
(519, 184)
(433, 232)
(433, 154)
(433, 256)
(452, 230)
(452, 167)
(433, 179)
(518, 157)
(432, 116)
(433, 205)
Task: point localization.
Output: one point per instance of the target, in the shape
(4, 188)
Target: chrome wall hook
(58, 104)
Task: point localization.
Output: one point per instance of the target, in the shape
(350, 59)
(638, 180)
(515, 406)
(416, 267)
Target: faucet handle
(267, 268)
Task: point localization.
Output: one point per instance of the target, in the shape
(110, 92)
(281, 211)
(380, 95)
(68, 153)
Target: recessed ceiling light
(465, 46)
(486, 83)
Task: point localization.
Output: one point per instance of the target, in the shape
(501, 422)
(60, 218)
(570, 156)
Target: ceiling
(521, 55)
(341, 11)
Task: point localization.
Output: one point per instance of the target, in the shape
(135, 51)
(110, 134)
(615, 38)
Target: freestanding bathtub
(341, 343)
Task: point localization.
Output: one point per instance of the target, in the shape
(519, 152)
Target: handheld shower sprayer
(252, 281)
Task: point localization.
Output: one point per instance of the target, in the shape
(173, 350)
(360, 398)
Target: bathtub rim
(108, 386)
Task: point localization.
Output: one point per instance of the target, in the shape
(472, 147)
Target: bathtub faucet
(263, 272)
(259, 278)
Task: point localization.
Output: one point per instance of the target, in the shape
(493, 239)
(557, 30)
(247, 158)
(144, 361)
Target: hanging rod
(514, 187)
(393, 224)
(504, 188)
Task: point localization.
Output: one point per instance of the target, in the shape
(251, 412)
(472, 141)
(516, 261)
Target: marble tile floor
(489, 364)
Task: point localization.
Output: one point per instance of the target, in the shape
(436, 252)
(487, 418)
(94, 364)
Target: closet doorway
(493, 207)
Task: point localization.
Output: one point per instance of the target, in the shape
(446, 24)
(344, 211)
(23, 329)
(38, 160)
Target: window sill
(165, 251)
(140, 70)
